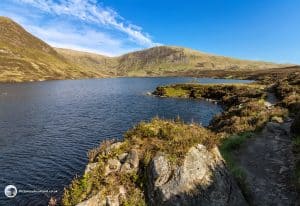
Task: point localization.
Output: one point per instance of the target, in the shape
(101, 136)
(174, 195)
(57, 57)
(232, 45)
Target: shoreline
(214, 74)
(247, 101)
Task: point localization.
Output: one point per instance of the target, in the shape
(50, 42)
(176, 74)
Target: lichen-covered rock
(112, 165)
(202, 179)
(131, 163)
(93, 201)
(113, 146)
(277, 119)
(109, 200)
(161, 170)
(90, 167)
(122, 157)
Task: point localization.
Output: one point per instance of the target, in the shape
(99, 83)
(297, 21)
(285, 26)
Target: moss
(172, 137)
(172, 92)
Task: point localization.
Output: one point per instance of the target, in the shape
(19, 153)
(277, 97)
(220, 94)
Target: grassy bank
(245, 105)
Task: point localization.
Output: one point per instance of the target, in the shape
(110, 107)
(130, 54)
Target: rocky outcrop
(202, 179)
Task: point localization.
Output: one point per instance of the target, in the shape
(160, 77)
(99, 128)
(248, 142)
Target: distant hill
(24, 57)
(160, 61)
(169, 59)
(86, 60)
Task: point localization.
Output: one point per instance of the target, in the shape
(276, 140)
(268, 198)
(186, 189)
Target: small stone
(267, 104)
(113, 165)
(116, 145)
(112, 200)
(90, 167)
(122, 190)
(122, 157)
(277, 119)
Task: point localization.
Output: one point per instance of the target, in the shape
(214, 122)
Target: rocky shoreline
(168, 162)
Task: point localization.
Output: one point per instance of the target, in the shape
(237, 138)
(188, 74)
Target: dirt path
(267, 160)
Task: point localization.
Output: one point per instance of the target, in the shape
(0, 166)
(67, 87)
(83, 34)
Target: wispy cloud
(91, 11)
(77, 24)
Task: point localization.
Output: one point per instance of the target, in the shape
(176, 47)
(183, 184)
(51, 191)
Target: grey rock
(202, 179)
(115, 145)
(96, 200)
(131, 163)
(90, 167)
(277, 119)
(122, 157)
(113, 165)
(161, 170)
(112, 200)
(109, 200)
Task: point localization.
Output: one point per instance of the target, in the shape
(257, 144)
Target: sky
(266, 30)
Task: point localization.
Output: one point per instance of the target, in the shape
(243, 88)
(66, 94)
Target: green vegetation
(249, 116)
(228, 148)
(245, 108)
(174, 138)
(288, 90)
(171, 137)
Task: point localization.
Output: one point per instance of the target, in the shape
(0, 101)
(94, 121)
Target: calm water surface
(46, 128)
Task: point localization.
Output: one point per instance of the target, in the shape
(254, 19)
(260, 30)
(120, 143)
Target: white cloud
(89, 40)
(90, 11)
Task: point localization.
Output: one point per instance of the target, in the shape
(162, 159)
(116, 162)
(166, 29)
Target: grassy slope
(24, 57)
(162, 60)
(86, 60)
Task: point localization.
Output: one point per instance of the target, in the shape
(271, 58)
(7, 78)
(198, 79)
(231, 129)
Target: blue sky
(249, 29)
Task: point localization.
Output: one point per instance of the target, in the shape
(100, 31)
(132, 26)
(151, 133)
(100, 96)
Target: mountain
(169, 60)
(160, 61)
(23, 57)
(86, 60)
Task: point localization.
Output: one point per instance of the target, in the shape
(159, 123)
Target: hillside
(87, 60)
(24, 57)
(162, 61)
(169, 60)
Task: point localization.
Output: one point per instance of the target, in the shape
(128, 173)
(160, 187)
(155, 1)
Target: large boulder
(201, 179)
